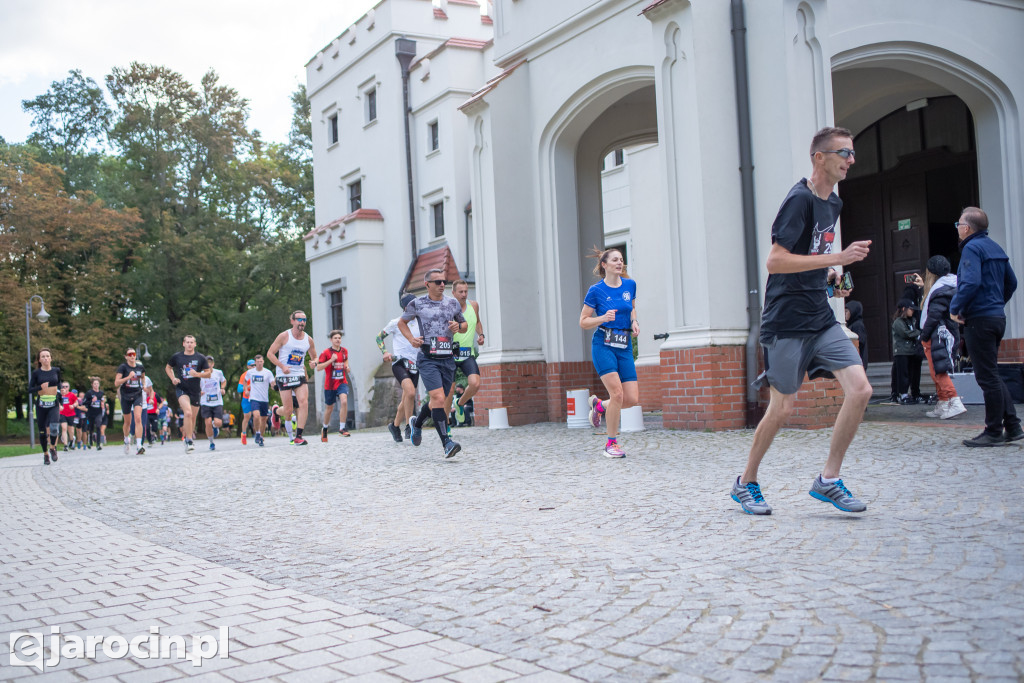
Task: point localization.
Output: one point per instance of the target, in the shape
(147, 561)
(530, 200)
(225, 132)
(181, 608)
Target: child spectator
(940, 336)
(906, 363)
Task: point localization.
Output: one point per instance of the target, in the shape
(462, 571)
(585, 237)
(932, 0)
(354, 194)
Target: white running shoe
(955, 407)
(938, 410)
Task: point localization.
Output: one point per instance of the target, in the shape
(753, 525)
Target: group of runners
(434, 336)
(453, 331)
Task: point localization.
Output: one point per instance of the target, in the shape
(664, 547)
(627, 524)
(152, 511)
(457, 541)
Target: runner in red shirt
(68, 416)
(334, 361)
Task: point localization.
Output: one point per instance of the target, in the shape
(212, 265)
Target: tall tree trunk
(4, 392)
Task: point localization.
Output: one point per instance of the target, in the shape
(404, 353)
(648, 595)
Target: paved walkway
(528, 557)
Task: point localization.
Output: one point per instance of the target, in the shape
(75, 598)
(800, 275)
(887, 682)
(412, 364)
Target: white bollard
(632, 419)
(497, 418)
(577, 409)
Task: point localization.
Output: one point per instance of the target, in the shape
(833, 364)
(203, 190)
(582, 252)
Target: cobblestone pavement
(540, 557)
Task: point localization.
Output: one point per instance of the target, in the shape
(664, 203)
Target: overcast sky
(258, 47)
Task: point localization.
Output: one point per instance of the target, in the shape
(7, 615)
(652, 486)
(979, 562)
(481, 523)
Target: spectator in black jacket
(940, 336)
(906, 337)
(855, 323)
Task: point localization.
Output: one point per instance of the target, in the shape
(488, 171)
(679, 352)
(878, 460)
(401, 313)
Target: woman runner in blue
(609, 307)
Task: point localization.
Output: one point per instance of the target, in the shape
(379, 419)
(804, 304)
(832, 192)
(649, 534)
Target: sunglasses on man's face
(845, 152)
(439, 283)
(300, 320)
(130, 355)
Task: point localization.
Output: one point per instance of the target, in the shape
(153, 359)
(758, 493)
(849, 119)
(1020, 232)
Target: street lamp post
(139, 346)
(42, 317)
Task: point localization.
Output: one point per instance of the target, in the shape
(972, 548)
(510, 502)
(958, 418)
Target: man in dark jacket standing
(985, 283)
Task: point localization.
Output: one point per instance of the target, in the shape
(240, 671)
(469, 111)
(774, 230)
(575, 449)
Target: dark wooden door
(862, 220)
(905, 203)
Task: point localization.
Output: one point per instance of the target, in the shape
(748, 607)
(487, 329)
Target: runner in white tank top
(288, 355)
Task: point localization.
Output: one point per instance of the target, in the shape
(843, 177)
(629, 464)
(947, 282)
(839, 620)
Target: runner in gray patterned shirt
(439, 318)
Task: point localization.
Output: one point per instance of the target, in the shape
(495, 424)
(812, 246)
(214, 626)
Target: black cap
(406, 300)
(939, 265)
(907, 303)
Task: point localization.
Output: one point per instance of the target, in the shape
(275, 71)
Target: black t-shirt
(40, 377)
(182, 364)
(796, 304)
(94, 401)
(132, 387)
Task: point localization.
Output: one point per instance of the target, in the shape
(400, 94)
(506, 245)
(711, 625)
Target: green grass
(18, 449)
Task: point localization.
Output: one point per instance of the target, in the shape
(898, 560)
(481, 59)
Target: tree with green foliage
(211, 246)
(70, 123)
(67, 249)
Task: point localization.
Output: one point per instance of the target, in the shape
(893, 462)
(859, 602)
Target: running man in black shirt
(799, 331)
(94, 409)
(44, 382)
(186, 368)
(130, 379)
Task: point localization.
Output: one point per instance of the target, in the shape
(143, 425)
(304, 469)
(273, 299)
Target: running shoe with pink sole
(614, 450)
(596, 410)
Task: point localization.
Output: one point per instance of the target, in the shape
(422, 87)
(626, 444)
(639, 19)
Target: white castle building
(713, 102)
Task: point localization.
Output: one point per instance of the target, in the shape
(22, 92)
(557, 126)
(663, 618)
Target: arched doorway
(873, 81)
(615, 111)
(916, 169)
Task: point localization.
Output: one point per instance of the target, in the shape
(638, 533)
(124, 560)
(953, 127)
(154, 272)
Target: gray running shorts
(787, 360)
(436, 373)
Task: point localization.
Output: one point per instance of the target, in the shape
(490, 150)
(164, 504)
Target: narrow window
(371, 105)
(619, 157)
(437, 215)
(337, 319)
(432, 135)
(332, 129)
(355, 197)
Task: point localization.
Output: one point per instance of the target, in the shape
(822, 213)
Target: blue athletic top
(603, 298)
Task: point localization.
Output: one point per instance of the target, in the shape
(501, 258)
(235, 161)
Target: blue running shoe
(750, 499)
(417, 433)
(837, 494)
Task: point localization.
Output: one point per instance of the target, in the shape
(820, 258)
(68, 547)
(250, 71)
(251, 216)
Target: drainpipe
(469, 212)
(739, 53)
(405, 51)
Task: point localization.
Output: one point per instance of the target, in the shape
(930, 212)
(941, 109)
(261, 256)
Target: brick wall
(704, 388)
(519, 387)
(651, 391)
(1012, 351)
(817, 404)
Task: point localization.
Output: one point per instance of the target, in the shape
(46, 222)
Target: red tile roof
(484, 19)
(439, 13)
(653, 5)
(439, 257)
(358, 214)
(467, 43)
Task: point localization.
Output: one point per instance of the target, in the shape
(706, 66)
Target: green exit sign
(903, 224)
